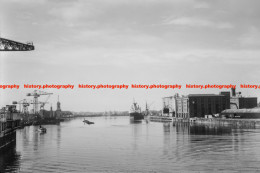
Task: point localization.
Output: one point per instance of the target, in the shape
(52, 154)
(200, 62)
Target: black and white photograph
(129, 86)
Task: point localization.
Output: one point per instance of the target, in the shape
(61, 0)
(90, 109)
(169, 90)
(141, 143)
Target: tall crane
(23, 106)
(43, 103)
(36, 94)
(10, 45)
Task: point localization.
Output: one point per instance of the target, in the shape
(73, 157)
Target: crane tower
(36, 94)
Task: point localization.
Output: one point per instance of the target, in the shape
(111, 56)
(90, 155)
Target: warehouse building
(182, 106)
(206, 105)
(199, 105)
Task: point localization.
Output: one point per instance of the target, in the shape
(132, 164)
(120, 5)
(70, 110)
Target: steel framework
(10, 45)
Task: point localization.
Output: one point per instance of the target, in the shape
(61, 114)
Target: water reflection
(182, 128)
(136, 132)
(120, 145)
(206, 143)
(9, 159)
(58, 136)
(210, 130)
(205, 129)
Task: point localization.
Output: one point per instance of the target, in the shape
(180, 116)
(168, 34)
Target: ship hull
(136, 116)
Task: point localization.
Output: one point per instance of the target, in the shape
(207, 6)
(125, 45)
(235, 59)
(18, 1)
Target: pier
(245, 123)
(161, 118)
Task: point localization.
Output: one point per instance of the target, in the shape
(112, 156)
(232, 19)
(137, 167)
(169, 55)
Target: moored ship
(9, 122)
(135, 112)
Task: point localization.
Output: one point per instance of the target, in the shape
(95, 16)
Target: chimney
(233, 90)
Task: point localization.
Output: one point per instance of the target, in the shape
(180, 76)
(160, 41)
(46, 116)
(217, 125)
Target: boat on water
(161, 118)
(135, 112)
(42, 129)
(87, 122)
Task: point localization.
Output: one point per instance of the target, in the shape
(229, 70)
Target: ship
(10, 120)
(135, 112)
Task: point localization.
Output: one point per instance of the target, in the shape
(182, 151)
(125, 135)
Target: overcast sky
(129, 41)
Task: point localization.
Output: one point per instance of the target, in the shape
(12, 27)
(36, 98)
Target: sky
(129, 42)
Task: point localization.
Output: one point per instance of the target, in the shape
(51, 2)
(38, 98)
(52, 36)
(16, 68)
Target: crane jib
(10, 45)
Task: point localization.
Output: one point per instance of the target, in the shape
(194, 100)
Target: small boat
(42, 129)
(88, 122)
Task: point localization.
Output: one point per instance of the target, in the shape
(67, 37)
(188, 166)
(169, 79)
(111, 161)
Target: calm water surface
(117, 145)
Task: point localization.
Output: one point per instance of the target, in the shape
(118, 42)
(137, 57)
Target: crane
(36, 94)
(10, 45)
(23, 104)
(43, 103)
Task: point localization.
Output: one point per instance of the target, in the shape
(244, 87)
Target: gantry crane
(43, 103)
(23, 106)
(10, 45)
(35, 94)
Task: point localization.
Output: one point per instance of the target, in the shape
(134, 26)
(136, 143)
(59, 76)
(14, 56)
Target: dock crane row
(36, 94)
(23, 106)
(10, 45)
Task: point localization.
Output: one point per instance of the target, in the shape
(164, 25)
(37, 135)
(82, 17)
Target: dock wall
(246, 123)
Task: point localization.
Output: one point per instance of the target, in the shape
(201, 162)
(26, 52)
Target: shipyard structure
(10, 120)
(224, 104)
(57, 114)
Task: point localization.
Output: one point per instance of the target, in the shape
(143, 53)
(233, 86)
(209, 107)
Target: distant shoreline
(99, 115)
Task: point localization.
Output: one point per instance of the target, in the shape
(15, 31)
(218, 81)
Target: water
(118, 145)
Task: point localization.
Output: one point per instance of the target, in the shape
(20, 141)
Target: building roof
(235, 111)
(203, 95)
(238, 97)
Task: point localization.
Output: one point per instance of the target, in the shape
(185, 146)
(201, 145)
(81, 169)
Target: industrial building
(202, 105)
(58, 112)
(237, 101)
(242, 107)
(182, 106)
(207, 104)
(199, 105)
(54, 114)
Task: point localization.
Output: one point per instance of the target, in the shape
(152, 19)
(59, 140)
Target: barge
(161, 118)
(9, 122)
